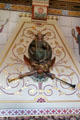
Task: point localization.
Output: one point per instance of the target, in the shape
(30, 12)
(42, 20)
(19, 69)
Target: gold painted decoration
(28, 89)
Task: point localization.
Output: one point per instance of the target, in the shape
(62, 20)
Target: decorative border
(40, 2)
(51, 11)
(40, 112)
(12, 7)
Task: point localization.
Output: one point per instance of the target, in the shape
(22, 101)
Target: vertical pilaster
(40, 9)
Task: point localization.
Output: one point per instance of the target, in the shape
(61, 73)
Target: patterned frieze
(14, 7)
(41, 2)
(42, 112)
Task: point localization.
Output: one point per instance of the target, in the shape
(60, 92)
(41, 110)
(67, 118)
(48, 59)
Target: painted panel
(27, 90)
(39, 12)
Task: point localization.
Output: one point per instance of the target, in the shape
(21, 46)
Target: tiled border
(25, 8)
(38, 112)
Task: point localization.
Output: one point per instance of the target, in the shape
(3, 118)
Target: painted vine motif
(39, 90)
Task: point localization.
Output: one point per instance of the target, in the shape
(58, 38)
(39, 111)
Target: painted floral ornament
(40, 60)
